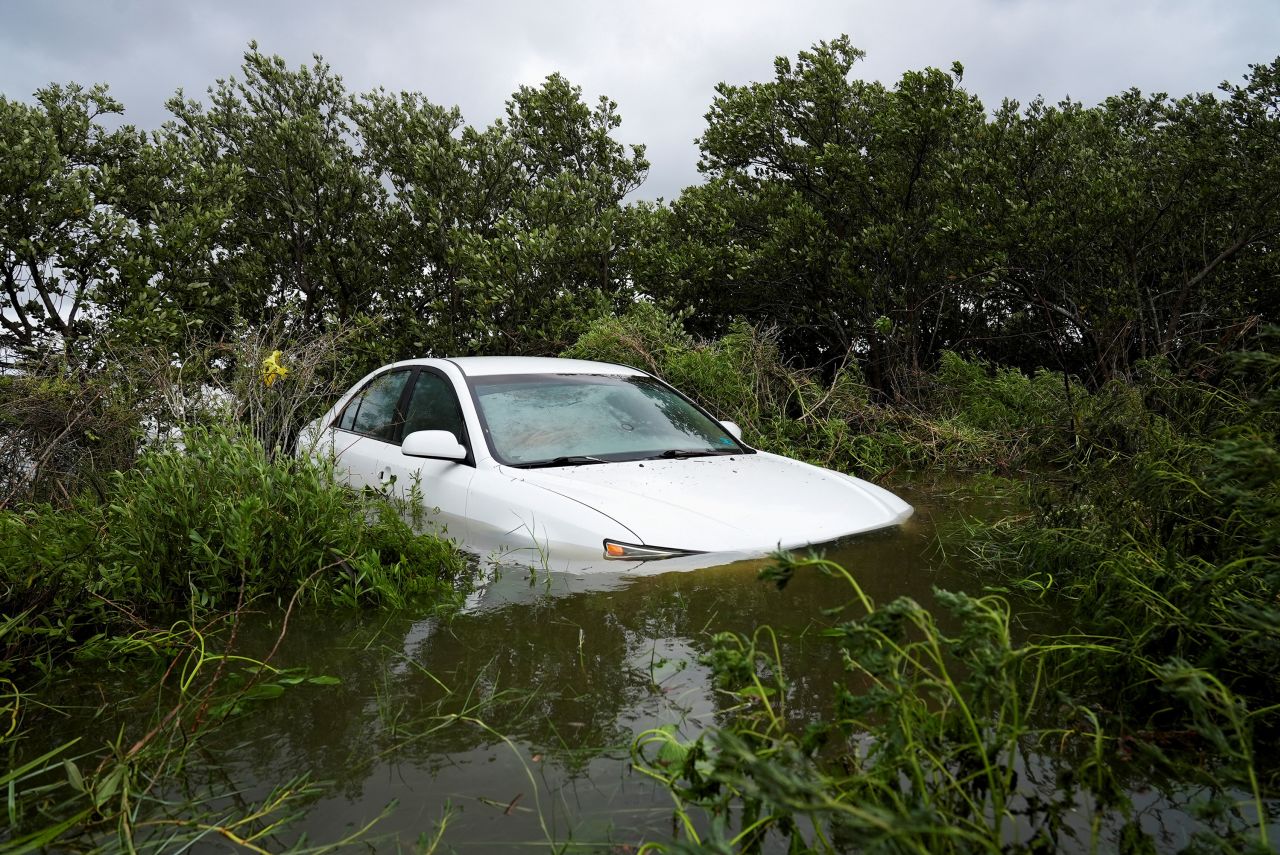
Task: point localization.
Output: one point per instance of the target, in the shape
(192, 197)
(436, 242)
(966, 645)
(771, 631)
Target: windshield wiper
(681, 453)
(567, 460)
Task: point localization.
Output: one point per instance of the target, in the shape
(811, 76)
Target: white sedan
(554, 461)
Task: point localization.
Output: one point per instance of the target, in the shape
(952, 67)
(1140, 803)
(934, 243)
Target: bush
(742, 377)
(1165, 532)
(1003, 400)
(227, 382)
(202, 528)
(59, 433)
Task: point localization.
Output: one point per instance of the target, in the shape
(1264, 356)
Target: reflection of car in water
(579, 461)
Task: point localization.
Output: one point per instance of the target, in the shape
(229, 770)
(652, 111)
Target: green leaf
(73, 775)
(264, 691)
(108, 786)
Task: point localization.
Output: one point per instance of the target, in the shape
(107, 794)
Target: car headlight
(635, 552)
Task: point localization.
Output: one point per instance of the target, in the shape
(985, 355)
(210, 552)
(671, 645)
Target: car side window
(433, 406)
(348, 417)
(374, 410)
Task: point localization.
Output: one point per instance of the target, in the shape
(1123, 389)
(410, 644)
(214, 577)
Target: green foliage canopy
(887, 224)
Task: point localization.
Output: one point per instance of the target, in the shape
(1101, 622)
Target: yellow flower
(272, 370)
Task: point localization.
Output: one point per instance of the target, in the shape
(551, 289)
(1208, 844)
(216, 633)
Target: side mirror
(439, 444)
(732, 427)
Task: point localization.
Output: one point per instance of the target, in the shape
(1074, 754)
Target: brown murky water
(550, 678)
(512, 722)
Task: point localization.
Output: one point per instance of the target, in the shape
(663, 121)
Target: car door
(367, 432)
(439, 486)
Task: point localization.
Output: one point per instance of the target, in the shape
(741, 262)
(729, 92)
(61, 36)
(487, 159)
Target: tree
(59, 234)
(166, 290)
(509, 238)
(308, 224)
(894, 223)
(1125, 228)
(835, 208)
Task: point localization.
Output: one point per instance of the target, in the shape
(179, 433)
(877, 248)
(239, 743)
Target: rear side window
(348, 417)
(373, 410)
(433, 406)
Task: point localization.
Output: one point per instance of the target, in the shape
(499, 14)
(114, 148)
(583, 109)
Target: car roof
(481, 366)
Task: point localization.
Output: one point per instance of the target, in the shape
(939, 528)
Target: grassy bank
(208, 527)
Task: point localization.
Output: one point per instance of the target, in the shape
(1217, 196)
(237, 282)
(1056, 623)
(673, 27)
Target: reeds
(937, 741)
(123, 796)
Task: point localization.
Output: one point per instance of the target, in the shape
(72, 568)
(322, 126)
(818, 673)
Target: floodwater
(508, 727)
(569, 669)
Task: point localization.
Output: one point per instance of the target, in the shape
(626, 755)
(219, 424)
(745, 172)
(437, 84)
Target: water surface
(516, 717)
(511, 723)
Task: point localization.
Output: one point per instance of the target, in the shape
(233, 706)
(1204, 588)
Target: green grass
(193, 531)
(927, 745)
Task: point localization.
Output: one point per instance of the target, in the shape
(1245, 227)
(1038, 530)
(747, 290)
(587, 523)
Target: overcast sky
(659, 61)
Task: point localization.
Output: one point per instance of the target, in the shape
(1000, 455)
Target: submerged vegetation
(889, 281)
(949, 740)
(152, 511)
(159, 570)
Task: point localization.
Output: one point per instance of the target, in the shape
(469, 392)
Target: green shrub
(1163, 537)
(203, 528)
(742, 377)
(644, 337)
(1002, 400)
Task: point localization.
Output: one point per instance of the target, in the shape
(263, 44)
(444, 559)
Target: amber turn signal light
(637, 552)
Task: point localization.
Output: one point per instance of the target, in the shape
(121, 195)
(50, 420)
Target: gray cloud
(659, 60)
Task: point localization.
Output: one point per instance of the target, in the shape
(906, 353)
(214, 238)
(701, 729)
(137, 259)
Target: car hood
(752, 502)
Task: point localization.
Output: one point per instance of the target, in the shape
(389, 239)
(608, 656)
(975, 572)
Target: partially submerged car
(554, 461)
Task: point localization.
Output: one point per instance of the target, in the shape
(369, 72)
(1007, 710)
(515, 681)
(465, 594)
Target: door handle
(384, 476)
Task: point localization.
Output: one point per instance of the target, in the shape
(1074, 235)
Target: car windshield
(567, 419)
